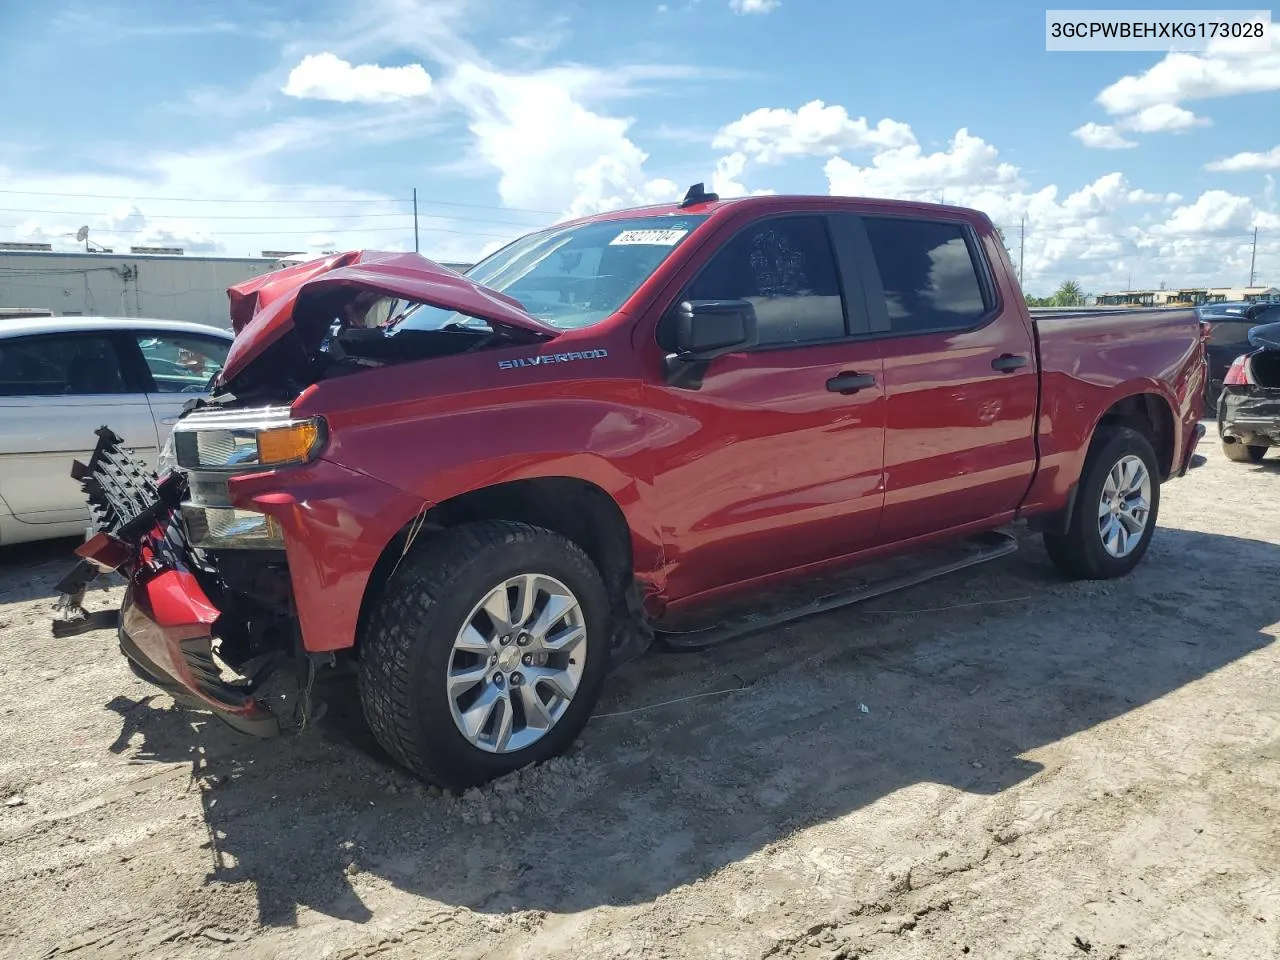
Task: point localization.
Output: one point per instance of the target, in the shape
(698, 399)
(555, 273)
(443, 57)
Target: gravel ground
(995, 765)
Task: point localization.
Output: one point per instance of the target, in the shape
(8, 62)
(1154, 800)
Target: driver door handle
(1007, 363)
(169, 421)
(850, 382)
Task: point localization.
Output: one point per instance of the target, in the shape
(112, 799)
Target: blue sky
(237, 126)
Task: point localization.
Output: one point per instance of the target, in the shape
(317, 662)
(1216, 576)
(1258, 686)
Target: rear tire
(1093, 548)
(1238, 452)
(431, 663)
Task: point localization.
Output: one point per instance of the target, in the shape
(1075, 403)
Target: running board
(981, 549)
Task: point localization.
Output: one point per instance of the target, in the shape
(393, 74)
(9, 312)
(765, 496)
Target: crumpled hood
(262, 309)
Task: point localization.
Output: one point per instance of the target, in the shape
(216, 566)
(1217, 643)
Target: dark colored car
(604, 434)
(1229, 325)
(1249, 405)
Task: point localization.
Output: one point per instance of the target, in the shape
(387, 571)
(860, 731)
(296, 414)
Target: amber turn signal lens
(291, 444)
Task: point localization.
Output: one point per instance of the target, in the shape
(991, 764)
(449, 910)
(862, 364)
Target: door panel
(766, 467)
(959, 376)
(55, 391)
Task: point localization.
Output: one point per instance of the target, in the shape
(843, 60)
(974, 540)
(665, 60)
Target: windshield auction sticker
(653, 238)
(1234, 31)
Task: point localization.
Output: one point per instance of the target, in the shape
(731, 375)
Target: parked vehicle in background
(1249, 405)
(63, 377)
(599, 436)
(1229, 326)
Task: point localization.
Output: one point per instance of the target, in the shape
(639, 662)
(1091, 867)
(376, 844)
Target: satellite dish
(82, 234)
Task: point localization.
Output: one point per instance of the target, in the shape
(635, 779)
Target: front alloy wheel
(485, 651)
(517, 663)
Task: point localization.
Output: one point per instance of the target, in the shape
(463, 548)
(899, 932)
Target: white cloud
(969, 165)
(725, 180)
(771, 135)
(1219, 71)
(327, 77)
(1247, 162)
(551, 151)
(1159, 118)
(743, 7)
(1163, 118)
(1099, 136)
(1146, 196)
(1213, 212)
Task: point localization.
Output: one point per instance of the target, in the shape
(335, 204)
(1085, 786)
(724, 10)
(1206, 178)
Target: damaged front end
(246, 562)
(215, 635)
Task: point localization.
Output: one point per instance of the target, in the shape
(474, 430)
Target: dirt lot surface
(1021, 767)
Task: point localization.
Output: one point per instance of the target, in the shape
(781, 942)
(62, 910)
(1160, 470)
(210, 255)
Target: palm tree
(1069, 294)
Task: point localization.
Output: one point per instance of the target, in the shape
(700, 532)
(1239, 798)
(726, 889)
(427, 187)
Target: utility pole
(1022, 247)
(415, 219)
(1253, 258)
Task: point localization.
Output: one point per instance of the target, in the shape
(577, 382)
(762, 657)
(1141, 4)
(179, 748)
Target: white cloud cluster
(1150, 102)
(551, 151)
(1219, 71)
(1157, 118)
(771, 135)
(725, 178)
(1101, 136)
(325, 76)
(1247, 162)
(1094, 234)
(745, 7)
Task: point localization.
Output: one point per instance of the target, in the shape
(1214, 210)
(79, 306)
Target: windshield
(570, 277)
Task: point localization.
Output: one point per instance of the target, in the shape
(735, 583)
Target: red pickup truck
(483, 492)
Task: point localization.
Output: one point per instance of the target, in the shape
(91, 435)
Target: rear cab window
(930, 275)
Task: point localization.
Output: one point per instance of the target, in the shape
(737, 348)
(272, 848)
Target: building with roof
(1185, 295)
(159, 283)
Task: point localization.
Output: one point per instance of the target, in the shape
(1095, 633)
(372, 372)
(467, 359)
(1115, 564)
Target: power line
(214, 216)
(407, 215)
(319, 230)
(406, 200)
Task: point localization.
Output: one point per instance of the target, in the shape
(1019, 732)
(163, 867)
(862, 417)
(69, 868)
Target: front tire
(1238, 452)
(1117, 503)
(486, 652)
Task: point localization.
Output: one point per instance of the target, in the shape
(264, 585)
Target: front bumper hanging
(167, 623)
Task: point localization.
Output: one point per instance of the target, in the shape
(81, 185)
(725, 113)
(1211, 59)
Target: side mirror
(706, 329)
(703, 330)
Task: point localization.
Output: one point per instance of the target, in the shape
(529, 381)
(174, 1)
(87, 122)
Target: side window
(786, 269)
(59, 365)
(929, 277)
(180, 363)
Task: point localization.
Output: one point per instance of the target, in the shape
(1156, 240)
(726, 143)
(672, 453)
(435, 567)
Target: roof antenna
(698, 194)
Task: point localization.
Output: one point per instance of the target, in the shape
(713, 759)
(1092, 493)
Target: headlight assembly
(245, 440)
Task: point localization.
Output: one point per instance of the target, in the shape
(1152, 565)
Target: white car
(61, 378)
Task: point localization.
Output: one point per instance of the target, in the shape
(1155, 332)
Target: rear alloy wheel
(485, 652)
(1243, 452)
(1115, 512)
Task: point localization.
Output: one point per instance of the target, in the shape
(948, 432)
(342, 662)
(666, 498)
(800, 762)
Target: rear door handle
(169, 420)
(1007, 363)
(850, 382)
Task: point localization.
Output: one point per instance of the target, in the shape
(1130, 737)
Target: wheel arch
(1151, 414)
(577, 509)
